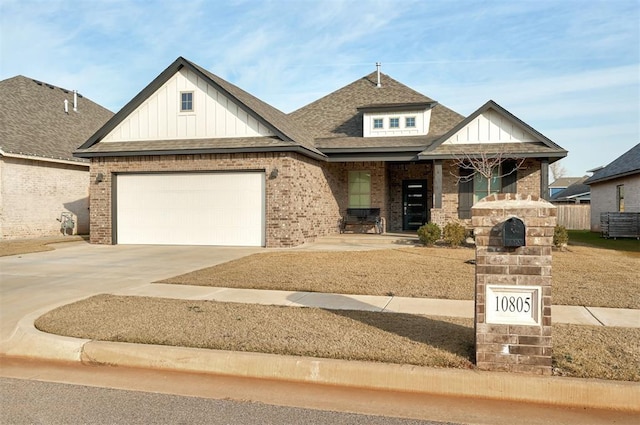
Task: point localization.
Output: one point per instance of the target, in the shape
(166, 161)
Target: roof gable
(213, 115)
(626, 164)
(491, 129)
(33, 121)
(273, 119)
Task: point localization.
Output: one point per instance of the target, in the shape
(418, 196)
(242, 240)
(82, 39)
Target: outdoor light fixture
(274, 173)
(99, 177)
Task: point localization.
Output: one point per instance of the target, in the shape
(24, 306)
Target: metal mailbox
(513, 233)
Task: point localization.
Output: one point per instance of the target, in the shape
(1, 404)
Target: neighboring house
(561, 184)
(39, 176)
(193, 159)
(616, 187)
(576, 193)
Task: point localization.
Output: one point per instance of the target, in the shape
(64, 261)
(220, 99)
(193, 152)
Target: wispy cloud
(567, 67)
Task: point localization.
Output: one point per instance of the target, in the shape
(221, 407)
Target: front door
(414, 204)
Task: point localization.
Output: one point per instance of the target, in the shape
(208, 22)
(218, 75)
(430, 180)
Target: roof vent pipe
(75, 101)
(378, 70)
(66, 106)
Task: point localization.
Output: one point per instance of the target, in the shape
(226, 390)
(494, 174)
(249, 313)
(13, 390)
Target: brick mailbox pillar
(514, 238)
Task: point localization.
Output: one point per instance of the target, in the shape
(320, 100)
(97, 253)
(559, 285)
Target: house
(561, 184)
(40, 127)
(577, 192)
(616, 187)
(194, 159)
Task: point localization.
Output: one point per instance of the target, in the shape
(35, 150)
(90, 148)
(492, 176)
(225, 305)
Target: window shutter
(510, 176)
(465, 194)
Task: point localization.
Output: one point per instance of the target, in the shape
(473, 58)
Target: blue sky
(569, 68)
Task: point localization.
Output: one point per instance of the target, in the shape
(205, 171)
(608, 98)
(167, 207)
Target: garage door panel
(191, 209)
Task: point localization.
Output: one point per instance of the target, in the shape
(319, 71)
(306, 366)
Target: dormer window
(410, 122)
(186, 101)
(394, 122)
(378, 123)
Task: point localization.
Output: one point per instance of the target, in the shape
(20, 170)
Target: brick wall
(339, 183)
(295, 214)
(34, 193)
(525, 348)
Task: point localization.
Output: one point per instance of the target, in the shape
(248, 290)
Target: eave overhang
(393, 107)
(199, 151)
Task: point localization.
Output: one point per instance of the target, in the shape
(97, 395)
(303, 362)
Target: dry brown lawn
(580, 351)
(581, 275)
(26, 246)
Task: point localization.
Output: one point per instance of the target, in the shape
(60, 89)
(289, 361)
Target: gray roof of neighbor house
(572, 191)
(565, 181)
(292, 136)
(337, 115)
(626, 164)
(33, 122)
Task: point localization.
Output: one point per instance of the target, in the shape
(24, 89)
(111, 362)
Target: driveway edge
(570, 392)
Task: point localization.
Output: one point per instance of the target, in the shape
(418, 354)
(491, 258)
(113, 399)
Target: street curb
(570, 392)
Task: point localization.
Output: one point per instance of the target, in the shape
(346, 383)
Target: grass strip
(607, 353)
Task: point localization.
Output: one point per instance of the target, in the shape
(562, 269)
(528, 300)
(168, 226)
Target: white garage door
(191, 209)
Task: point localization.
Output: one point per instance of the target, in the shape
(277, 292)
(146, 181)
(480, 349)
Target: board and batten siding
(490, 127)
(213, 116)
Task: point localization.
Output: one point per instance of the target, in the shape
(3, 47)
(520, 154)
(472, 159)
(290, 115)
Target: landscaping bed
(26, 246)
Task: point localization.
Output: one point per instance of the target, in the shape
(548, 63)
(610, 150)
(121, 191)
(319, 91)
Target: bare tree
(484, 164)
(557, 170)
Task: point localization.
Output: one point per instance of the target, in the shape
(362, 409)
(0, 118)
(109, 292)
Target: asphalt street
(29, 402)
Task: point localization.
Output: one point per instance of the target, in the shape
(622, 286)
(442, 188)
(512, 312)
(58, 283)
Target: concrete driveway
(76, 270)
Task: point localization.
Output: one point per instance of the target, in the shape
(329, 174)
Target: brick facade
(33, 194)
(525, 348)
(294, 213)
(307, 199)
(528, 184)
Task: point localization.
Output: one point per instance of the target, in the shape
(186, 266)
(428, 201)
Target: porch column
(544, 179)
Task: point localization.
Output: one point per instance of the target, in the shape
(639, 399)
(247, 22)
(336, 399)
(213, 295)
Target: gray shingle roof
(175, 146)
(573, 190)
(337, 115)
(565, 181)
(33, 121)
(520, 150)
(626, 164)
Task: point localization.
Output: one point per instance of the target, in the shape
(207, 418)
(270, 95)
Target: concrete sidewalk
(577, 315)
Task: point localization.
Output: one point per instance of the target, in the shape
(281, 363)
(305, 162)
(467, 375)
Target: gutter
(297, 149)
(44, 159)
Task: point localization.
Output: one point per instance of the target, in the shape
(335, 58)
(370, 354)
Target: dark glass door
(414, 204)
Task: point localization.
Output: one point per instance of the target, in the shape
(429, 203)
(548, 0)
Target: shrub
(560, 236)
(454, 233)
(429, 233)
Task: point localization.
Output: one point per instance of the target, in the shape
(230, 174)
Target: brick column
(513, 285)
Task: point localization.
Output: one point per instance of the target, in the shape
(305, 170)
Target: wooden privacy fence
(620, 224)
(574, 216)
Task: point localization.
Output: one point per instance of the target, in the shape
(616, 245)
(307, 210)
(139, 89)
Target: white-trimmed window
(394, 122)
(410, 122)
(186, 101)
(359, 189)
(378, 123)
(620, 197)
